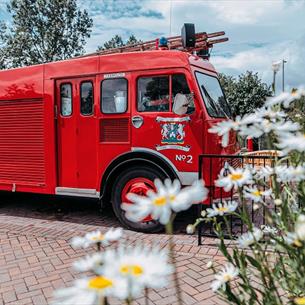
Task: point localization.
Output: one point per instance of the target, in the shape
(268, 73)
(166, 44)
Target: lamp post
(283, 74)
(275, 68)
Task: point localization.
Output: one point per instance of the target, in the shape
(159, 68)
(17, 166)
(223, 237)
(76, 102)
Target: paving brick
(36, 258)
(39, 300)
(20, 288)
(9, 296)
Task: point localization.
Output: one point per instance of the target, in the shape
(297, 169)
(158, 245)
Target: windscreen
(213, 96)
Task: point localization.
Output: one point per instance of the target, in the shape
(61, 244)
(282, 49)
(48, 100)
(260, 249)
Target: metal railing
(209, 169)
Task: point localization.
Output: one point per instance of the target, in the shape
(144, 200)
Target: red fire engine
(109, 123)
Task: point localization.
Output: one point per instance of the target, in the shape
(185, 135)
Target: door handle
(137, 121)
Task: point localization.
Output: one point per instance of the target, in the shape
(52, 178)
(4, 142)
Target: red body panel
(41, 150)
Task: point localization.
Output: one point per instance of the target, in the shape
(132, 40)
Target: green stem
(146, 295)
(169, 231)
(129, 301)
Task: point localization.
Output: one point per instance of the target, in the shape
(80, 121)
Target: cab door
(155, 125)
(76, 133)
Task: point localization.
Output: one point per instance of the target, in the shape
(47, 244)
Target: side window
(65, 99)
(114, 95)
(183, 100)
(86, 98)
(153, 93)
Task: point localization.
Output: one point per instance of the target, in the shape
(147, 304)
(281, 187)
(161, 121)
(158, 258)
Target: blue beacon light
(162, 42)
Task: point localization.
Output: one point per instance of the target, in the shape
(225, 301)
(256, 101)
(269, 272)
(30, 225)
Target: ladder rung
(174, 43)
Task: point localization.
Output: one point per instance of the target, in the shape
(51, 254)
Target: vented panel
(22, 141)
(114, 130)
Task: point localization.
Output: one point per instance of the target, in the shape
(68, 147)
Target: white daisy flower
(250, 132)
(283, 173)
(279, 99)
(97, 237)
(253, 193)
(288, 174)
(285, 129)
(222, 208)
(288, 143)
(269, 230)
(227, 274)
(141, 267)
(286, 98)
(233, 178)
(249, 238)
(292, 239)
(270, 114)
(89, 291)
(280, 128)
(266, 120)
(223, 129)
(89, 263)
(300, 227)
(167, 198)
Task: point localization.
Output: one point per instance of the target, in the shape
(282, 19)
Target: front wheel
(136, 180)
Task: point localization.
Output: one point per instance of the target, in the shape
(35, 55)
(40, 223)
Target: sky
(259, 31)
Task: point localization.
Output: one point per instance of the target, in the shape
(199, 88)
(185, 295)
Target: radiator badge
(172, 133)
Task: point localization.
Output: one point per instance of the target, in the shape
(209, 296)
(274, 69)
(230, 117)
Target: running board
(69, 191)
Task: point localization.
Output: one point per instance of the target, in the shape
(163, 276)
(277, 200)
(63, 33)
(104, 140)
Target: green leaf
(253, 262)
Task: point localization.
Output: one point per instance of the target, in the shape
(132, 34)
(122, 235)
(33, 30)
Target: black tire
(119, 184)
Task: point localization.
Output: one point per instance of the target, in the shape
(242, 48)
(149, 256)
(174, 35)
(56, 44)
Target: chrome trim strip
(179, 119)
(78, 192)
(186, 178)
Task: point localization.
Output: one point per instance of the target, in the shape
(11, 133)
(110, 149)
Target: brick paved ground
(36, 258)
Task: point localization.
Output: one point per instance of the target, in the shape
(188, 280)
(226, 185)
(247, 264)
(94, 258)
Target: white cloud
(260, 60)
(244, 12)
(260, 31)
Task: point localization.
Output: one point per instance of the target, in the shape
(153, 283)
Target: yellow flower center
(256, 193)
(222, 209)
(99, 237)
(227, 277)
(172, 198)
(99, 283)
(297, 243)
(134, 270)
(236, 177)
(299, 301)
(160, 201)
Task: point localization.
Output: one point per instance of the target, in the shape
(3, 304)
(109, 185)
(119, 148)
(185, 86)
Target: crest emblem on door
(172, 133)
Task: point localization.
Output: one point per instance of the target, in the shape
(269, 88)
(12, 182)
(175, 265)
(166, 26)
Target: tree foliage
(117, 42)
(44, 31)
(246, 93)
(3, 29)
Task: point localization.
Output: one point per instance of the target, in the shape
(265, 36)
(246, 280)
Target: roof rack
(202, 43)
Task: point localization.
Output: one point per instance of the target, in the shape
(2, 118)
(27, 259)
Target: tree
(246, 93)
(2, 45)
(44, 31)
(117, 42)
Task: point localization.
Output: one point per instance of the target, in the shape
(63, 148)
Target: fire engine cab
(109, 123)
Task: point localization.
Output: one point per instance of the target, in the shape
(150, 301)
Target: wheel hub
(139, 186)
